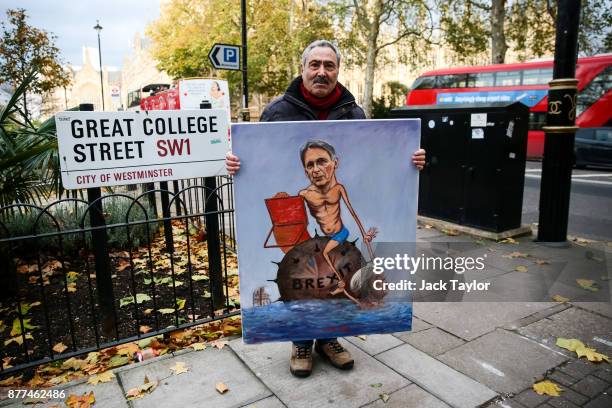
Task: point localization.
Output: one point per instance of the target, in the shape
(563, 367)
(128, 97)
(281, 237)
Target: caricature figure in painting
(323, 197)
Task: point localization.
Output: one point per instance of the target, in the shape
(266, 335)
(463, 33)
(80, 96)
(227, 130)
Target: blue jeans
(308, 343)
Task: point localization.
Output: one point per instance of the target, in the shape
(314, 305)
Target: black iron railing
(78, 276)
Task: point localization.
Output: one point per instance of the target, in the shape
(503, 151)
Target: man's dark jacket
(292, 106)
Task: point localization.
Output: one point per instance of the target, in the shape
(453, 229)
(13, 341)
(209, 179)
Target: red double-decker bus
(525, 82)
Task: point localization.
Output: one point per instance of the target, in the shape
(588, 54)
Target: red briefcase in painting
(289, 221)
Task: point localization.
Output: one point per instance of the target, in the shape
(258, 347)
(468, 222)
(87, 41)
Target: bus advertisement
(188, 94)
(525, 82)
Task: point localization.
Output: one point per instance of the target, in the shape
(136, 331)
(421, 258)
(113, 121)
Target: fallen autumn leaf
(106, 376)
(587, 284)
(60, 348)
(569, 344)
(179, 368)
(547, 387)
(82, 401)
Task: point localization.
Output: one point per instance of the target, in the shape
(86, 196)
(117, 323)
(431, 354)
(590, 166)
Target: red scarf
(322, 105)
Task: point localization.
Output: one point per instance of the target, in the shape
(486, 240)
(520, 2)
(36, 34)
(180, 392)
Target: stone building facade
(139, 69)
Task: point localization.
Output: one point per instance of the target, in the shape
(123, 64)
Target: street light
(98, 28)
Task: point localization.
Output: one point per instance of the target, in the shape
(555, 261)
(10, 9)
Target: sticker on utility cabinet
(478, 133)
(478, 120)
(510, 129)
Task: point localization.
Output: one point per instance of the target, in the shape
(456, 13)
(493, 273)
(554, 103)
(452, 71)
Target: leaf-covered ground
(164, 297)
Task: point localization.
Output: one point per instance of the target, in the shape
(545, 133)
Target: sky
(72, 21)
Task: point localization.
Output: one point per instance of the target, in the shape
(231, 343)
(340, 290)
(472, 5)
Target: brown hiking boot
(300, 364)
(336, 354)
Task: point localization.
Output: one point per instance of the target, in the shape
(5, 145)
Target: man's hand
(232, 163)
(418, 158)
(371, 234)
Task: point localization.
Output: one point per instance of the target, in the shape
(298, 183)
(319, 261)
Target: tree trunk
(498, 37)
(368, 91)
(372, 41)
(294, 63)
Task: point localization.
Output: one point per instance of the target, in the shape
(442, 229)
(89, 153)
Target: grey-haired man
(316, 95)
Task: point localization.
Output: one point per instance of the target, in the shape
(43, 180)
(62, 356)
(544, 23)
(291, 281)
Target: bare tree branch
(479, 5)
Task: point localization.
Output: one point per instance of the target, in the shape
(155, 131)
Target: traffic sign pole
(245, 82)
(99, 246)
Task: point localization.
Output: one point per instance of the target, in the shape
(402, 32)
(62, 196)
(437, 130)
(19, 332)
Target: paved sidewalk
(470, 354)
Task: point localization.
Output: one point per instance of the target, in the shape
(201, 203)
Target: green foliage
(67, 216)
(394, 95)
(529, 27)
(185, 33)
(29, 162)
(24, 49)
(532, 24)
(465, 29)
(595, 30)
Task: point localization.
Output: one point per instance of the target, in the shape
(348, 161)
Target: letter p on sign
(229, 55)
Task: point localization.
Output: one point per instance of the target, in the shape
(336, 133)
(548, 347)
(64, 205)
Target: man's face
(319, 166)
(320, 71)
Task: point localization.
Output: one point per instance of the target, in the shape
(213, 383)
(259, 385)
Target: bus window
(426, 82)
(480, 79)
(452, 81)
(508, 78)
(597, 88)
(536, 120)
(537, 76)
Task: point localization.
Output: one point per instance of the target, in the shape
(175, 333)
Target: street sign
(225, 56)
(99, 149)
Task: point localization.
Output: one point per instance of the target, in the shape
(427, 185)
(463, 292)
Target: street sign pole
(99, 245)
(560, 129)
(245, 83)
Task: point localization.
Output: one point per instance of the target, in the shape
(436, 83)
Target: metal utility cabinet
(475, 169)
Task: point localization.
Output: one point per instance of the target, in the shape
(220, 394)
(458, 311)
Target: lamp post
(560, 129)
(98, 28)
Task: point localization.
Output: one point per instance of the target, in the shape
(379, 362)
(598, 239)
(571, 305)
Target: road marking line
(603, 341)
(593, 175)
(605, 183)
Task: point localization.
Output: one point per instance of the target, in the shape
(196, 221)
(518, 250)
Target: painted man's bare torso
(325, 207)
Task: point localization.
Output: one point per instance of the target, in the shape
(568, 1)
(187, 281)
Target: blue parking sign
(225, 56)
(229, 55)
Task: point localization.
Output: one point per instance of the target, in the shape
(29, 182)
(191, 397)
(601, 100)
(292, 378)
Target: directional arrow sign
(225, 56)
